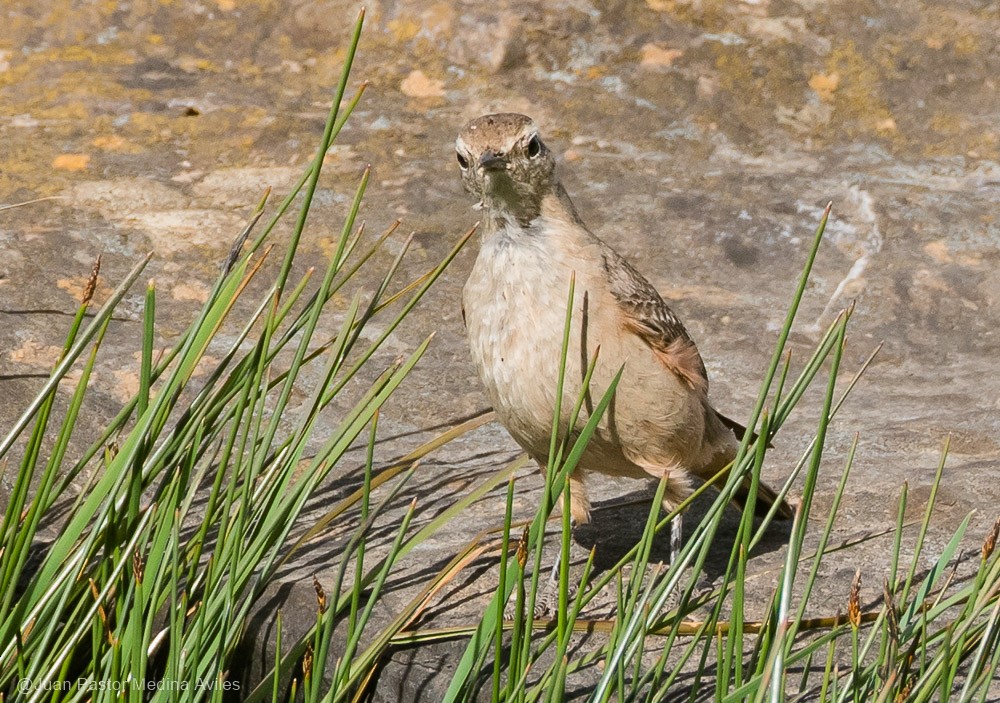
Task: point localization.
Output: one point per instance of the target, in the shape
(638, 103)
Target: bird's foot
(548, 599)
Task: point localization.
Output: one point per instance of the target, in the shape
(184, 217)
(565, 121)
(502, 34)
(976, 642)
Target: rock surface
(700, 137)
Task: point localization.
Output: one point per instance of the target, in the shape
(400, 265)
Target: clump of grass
(194, 487)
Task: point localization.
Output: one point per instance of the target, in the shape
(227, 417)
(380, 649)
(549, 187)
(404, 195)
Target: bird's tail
(766, 497)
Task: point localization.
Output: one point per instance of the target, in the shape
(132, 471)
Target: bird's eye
(534, 147)
(462, 161)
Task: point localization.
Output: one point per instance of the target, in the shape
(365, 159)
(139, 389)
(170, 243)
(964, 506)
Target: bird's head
(506, 165)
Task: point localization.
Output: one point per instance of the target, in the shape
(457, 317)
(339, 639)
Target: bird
(660, 422)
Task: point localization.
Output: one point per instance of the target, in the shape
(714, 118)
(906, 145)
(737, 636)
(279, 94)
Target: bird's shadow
(617, 525)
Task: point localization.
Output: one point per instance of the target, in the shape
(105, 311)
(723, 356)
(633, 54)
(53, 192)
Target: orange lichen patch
(825, 85)
(35, 354)
(886, 126)
(945, 123)
(71, 162)
(226, 5)
(403, 28)
(859, 98)
(76, 285)
(115, 143)
(126, 384)
(438, 18)
(418, 85)
(111, 142)
(195, 292)
(652, 55)
(205, 365)
(326, 245)
(938, 250)
(194, 64)
(966, 44)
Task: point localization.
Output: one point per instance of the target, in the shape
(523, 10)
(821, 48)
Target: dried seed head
(88, 291)
(100, 608)
(890, 611)
(904, 693)
(522, 548)
(320, 595)
(854, 602)
(991, 540)
(138, 567)
(307, 662)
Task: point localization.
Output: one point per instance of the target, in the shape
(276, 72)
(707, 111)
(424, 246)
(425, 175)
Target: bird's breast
(515, 309)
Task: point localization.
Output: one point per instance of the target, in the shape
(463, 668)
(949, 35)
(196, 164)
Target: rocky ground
(701, 138)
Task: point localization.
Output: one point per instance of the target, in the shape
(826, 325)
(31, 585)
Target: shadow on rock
(616, 526)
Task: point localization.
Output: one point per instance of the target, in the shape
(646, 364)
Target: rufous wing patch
(679, 355)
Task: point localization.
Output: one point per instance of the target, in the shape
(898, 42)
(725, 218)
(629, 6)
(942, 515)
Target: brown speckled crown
(492, 131)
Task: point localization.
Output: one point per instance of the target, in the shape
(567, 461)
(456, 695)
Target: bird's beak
(490, 161)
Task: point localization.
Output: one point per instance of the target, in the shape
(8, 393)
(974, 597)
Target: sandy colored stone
(825, 85)
(418, 85)
(653, 55)
(194, 292)
(71, 162)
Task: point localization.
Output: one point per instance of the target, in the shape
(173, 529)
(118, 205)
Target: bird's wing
(651, 319)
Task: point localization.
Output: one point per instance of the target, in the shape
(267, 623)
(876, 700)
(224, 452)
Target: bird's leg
(554, 572)
(676, 534)
(579, 514)
(549, 597)
(676, 530)
(548, 594)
